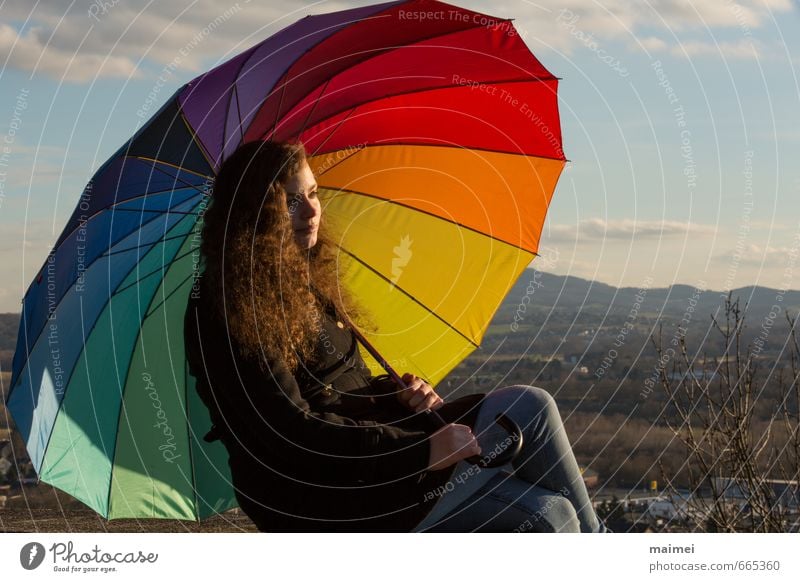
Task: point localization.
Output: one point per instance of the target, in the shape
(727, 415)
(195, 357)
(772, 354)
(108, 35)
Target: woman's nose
(309, 209)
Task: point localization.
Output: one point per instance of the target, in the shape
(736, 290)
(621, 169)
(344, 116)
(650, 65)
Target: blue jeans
(540, 491)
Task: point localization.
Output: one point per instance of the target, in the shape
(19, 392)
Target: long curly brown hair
(269, 291)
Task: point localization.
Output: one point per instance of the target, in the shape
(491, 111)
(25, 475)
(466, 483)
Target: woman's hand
(418, 395)
(450, 444)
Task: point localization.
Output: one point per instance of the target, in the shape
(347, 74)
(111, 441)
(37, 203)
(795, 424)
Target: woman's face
(304, 207)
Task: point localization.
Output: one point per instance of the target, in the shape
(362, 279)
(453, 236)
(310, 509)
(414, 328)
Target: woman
(315, 442)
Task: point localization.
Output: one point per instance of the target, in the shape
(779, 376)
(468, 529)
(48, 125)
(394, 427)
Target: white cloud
(650, 43)
(72, 41)
(594, 229)
(565, 25)
(75, 42)
(753, 254)
(29, 51)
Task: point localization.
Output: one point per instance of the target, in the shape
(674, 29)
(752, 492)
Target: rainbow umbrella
(434, 133)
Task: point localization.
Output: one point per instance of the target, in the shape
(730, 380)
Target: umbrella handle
(487, 461)
(509, 454)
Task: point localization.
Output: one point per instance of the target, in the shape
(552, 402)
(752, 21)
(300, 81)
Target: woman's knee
(531, 397)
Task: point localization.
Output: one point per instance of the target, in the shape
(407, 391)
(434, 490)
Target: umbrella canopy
(435, 138)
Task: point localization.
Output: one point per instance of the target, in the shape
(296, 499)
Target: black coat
(326, 449)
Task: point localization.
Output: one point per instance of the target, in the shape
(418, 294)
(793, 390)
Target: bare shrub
(741, 448)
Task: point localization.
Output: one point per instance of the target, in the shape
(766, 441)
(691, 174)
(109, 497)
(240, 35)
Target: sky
(680, 121)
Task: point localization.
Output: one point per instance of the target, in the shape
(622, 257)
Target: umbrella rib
(280, 105)
(234, 95)
(39, 335)
(142, 211)
(155, 193)
(470, 148)
(238, 114)
(407, 294)
(152, 309)
(346, 117)
(158, 163)
(313, 108)
(436, 216)
(171, 165)
(195, 139)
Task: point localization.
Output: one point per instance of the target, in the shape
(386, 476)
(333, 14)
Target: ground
(41, 508)
(86, 521)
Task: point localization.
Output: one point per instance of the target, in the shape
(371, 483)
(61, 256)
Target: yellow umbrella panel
(430, 241)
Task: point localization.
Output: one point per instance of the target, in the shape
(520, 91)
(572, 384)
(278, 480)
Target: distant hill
(548, 291)
(9, 327)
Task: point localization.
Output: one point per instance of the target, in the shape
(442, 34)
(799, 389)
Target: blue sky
(681, 120)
